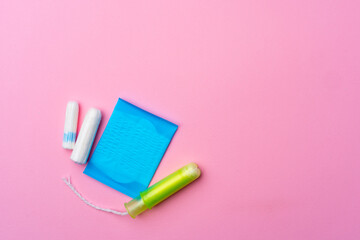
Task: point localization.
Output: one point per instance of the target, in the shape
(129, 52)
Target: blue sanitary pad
(130, 149)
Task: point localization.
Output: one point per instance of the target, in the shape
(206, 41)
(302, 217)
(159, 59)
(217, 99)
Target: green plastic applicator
(154, 194)
(162, 189)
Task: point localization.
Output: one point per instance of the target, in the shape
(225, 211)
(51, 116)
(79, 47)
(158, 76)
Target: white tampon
(86, 136)
(71, 121)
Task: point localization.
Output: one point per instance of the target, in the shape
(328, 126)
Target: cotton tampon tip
(70, 127)
(86, 136)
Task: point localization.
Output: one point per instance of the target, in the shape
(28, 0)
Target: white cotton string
(68, 183)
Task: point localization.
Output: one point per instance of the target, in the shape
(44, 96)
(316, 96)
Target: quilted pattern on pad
(130, 149)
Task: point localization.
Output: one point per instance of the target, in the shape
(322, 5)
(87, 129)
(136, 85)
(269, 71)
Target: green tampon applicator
(162, 189)
(152, 195)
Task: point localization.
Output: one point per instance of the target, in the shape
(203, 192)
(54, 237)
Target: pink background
(266, 94)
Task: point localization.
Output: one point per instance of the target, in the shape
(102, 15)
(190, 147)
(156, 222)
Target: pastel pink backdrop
(266, 95)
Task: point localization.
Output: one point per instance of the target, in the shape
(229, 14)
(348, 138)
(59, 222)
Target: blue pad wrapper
(130, 149)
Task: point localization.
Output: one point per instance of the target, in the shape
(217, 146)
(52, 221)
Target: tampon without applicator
(163, 189)
(86, 136)
(70, 127)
